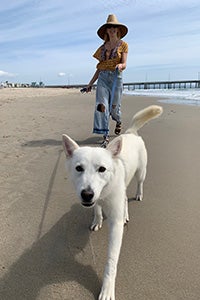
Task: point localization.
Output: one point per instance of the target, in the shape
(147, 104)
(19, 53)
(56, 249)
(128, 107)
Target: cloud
(6, 74)
(36, 33)
(61, 74)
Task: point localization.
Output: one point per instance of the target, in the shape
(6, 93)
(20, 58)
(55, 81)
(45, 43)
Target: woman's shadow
(52, 259)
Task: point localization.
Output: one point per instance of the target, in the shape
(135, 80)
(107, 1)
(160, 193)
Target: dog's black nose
(87, 196)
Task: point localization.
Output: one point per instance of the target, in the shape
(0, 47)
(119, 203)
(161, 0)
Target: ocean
(190, 96)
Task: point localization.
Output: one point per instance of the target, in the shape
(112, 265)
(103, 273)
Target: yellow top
(115, 56)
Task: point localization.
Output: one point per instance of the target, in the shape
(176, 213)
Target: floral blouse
(114, 58)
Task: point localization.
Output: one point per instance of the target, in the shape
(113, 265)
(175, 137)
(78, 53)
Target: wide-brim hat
(112, 20)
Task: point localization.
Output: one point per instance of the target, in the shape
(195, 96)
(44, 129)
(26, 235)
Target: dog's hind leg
(126, 215)
(140, 176)
(98, 218)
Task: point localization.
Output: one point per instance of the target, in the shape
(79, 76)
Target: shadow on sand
(42, 143)
(52, 260)
(52, 142)
(52, 257)
(91, 141)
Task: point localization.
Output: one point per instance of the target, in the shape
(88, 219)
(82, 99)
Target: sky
(53, 41)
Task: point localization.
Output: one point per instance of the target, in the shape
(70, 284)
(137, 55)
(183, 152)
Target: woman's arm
(92, 81)
(122, 66)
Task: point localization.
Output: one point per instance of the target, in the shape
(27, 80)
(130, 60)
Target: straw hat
(112, 20)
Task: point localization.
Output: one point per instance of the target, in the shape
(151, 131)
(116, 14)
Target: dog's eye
(101, 169)
(79, 169)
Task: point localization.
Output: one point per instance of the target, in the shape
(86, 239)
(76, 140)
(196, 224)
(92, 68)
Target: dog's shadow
(42, 143)
(92, 141)
(52, 142)
(51, 260)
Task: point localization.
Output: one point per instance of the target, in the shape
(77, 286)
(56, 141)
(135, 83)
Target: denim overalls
(103, 111)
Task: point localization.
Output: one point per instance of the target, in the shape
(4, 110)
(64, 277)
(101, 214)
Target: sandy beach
(46, 249)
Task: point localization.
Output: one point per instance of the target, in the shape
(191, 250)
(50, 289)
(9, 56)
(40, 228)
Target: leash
(113, 88)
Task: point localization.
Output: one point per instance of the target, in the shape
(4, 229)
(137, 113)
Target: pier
(179, 84)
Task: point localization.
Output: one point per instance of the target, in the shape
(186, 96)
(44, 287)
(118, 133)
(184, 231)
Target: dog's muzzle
(87, 196)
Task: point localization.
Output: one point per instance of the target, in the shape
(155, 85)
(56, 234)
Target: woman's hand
(88, 88)
(120, 67)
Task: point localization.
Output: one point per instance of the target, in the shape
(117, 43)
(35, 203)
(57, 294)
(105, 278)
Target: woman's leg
(116, 106)
(101, 113)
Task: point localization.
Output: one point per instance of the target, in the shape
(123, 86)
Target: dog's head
(91, 169)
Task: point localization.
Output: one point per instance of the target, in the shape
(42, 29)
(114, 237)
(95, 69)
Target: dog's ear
(69, 145)
(115, 146)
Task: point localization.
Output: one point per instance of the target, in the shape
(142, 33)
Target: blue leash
(113, 88)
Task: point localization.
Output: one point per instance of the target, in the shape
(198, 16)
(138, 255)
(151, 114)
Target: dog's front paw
(107, 291)
(95, 227)
(98, 218)
(96, 224)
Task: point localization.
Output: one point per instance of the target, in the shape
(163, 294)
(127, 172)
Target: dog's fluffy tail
(143, 117)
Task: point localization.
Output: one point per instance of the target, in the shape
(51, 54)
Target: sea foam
(176, 96)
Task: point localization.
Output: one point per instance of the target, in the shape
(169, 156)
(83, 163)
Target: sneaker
(118, 128)
(105, 142)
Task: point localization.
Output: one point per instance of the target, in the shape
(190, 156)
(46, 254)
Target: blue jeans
(103, 109)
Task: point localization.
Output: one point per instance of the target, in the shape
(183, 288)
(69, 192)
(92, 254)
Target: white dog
(101, 177)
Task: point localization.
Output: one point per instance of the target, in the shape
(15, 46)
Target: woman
(112, 57)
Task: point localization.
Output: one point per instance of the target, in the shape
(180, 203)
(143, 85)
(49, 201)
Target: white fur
(101, 176)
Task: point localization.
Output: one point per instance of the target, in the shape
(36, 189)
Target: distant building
(37, 84)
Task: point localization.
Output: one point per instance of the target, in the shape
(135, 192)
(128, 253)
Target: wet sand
(46, 249)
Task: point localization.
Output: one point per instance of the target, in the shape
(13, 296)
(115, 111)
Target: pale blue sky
(53, 41)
